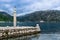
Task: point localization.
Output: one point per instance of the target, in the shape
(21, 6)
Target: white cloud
(21, 14)
(36, 6)
(27, 1)
(1, 10)
(6, 0)
(57, 8)
(43, 5)
(7, 5)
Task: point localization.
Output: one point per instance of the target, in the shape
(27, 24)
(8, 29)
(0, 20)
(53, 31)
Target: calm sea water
(50, 31)
(38, 37)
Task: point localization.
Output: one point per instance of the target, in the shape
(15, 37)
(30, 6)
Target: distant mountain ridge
(5, 16)
(47, 15)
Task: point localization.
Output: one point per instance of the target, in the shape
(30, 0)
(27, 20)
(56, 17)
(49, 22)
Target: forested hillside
(5, 16)
(47, 15)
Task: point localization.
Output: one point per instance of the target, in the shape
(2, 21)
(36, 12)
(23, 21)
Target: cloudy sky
(26, 6)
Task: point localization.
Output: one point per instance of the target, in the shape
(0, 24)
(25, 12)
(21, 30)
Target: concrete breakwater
(10, 32)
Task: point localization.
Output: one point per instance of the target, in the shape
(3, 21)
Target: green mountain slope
(5, 17)
(48, 15)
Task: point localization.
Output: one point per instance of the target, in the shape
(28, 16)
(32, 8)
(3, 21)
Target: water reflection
(38, 37)
(25, 37)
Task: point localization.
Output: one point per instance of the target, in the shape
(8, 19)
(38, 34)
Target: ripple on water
(38, 37)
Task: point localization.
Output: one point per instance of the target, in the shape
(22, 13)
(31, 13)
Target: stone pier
(10, 32)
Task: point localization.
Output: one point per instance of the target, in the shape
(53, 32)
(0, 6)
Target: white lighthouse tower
(14, 17)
